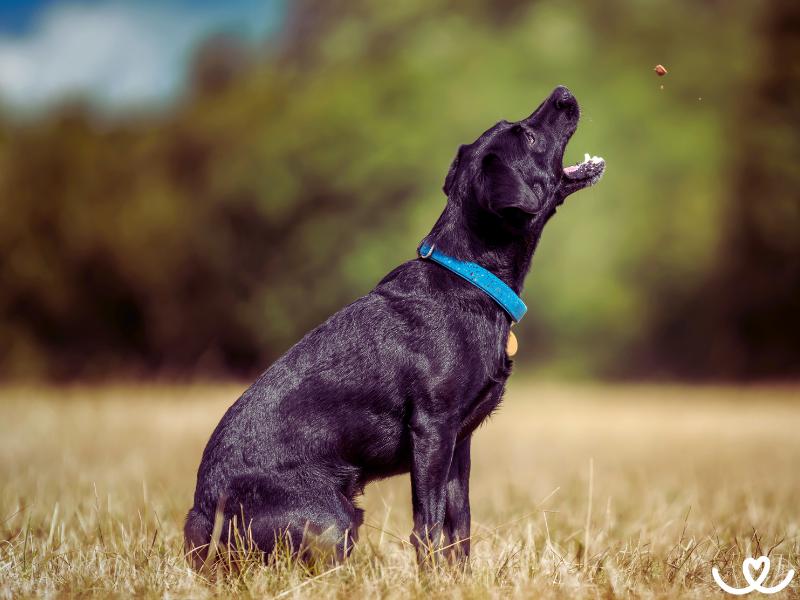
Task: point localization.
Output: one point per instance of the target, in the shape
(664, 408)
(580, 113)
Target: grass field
(577, 492)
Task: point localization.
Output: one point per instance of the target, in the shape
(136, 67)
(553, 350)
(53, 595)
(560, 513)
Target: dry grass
(94, 485)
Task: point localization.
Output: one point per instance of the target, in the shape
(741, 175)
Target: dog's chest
(483, 405)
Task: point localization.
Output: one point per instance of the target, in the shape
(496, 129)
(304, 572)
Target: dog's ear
(451, 173)
(499, 188)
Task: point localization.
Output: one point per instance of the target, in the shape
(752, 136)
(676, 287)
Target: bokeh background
(187, 187)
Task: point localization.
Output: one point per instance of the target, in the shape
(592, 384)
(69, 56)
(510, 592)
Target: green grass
(577, 492)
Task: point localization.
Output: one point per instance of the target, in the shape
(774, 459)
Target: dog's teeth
(586, 157)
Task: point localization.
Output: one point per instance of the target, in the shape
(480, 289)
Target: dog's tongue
(571, 169)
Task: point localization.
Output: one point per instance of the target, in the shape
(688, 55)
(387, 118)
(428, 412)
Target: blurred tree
(759, 293)
(217, 63)
(743, 319)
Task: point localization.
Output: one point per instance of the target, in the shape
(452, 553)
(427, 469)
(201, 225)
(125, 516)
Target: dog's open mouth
(587, 172)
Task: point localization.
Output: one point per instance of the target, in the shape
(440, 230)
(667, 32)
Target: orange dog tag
(511, 344)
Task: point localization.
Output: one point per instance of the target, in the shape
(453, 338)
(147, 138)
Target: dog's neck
(484, 241)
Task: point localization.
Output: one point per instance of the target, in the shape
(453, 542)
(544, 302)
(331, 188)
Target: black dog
(398, 380)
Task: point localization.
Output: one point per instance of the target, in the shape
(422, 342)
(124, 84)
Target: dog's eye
(528, 136)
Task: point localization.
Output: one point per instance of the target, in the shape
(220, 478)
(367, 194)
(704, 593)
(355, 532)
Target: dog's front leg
(457, 515)
(432, 442)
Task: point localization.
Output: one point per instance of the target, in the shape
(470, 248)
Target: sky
(115, 53)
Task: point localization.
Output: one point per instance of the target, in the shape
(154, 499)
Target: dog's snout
(559, 102)
(564, 100)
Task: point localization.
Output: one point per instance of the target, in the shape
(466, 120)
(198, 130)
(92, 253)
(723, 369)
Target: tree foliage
(288, 180)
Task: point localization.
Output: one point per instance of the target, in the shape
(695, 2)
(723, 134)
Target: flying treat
(660, 70)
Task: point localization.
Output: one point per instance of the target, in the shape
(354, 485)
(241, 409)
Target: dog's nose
(564, 100)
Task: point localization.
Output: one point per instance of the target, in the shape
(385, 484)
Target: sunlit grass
(584, 492)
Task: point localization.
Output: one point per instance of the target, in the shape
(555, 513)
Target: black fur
(397, 381)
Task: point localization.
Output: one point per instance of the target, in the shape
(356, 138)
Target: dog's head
(513, 174)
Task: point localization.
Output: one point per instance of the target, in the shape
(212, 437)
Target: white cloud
(117, 55)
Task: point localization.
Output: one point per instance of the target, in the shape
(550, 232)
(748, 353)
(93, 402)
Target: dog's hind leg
(308, 521)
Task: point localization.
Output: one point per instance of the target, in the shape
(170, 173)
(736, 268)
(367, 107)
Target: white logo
(749, 566)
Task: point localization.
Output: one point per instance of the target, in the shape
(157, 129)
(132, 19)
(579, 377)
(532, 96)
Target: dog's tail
(197, 538)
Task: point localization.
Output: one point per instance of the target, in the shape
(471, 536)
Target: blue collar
(492, 285)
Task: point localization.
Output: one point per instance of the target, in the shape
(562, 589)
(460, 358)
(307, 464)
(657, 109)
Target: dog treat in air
(660, 70)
